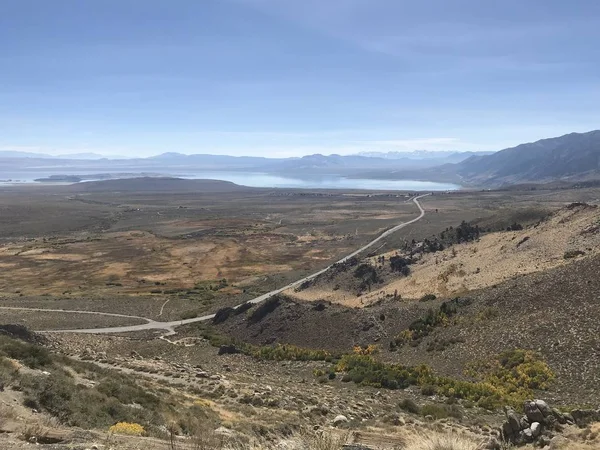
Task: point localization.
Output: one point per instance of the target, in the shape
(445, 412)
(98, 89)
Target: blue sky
(288, 78)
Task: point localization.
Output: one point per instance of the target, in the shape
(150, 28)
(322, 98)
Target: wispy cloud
(429, 37)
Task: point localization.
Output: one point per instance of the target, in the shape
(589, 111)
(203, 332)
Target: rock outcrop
(540, 422)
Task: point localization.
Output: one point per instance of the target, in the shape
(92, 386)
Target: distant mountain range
(573, 157)
(20, 154)
(449, 156)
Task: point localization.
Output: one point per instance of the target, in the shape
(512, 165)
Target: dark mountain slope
(553, 312)
(573, 156)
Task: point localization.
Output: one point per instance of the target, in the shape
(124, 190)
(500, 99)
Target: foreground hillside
(125, 399)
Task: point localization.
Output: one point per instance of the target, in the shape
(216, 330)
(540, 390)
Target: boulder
(514, 421)
(543, 407)
(524, 422)
(339, 420)
(536, 429)
(560, 417)
(532, 412)
(507, 431)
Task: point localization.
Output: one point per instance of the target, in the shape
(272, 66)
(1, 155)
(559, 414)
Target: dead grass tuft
(435, 440)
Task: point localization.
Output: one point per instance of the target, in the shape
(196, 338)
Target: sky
(281, 78)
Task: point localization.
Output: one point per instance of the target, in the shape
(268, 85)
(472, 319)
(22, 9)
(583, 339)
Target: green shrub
(285, 352)
(424, 326)
(367, 371)
(428, 390)
(573, 254)
(31, 355)
(400, 264)
(508, 379)
(410, 406)
(189, 315)
(114, 397)
(438, 411)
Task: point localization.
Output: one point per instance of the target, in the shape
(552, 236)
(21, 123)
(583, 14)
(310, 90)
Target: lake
(255, 179)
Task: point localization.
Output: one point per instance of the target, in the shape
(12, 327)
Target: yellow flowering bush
(508, 379)
(370, 349)
(130, 429)
(287, 352)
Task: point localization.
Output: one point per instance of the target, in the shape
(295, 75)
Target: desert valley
(204, 314)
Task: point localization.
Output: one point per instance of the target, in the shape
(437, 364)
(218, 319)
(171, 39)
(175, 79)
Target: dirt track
(169, 327)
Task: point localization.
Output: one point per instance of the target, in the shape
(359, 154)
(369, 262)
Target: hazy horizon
(279, 79)
(74, 155)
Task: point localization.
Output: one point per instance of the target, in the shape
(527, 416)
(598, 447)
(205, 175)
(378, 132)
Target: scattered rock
(536, 429)
(527, 434)
(532, 412)
(224, 431)
(540, 422)
(339, 420)
(543, 407)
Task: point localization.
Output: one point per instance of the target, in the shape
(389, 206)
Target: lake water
(323, 182)
(254, 179)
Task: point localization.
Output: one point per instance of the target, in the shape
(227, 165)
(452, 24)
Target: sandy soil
(134, 261)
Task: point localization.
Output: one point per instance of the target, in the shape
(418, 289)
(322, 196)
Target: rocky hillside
(567, 234)
(552, 312)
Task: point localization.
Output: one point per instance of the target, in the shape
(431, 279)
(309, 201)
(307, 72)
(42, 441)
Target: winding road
(169, 327)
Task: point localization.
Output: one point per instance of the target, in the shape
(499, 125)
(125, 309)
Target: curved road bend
(170, 326)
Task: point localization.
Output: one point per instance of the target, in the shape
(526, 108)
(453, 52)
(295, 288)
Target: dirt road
(169, 327)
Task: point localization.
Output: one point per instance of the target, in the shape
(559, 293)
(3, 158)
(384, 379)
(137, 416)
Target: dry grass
(328, 440)
(496, 257)
(435, 440)
(488, 261)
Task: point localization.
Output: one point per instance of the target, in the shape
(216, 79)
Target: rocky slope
(569, 233)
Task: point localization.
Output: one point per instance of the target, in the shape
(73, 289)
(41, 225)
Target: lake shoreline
(249, 179)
